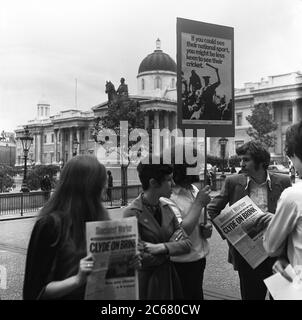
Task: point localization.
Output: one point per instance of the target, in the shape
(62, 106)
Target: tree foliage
(36, 174)
(123, 110)
(6, 177)
(262, 125)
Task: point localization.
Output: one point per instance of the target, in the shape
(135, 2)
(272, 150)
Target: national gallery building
(59, 137)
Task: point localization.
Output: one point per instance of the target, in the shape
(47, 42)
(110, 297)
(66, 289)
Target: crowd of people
(174, 226)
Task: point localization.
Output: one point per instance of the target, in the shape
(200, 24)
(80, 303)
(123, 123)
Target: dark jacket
(158, 278)
(50, 258)
(234, 189)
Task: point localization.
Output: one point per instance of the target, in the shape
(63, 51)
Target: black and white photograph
(168, 113)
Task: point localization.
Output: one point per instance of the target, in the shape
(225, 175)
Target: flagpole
(76, 93)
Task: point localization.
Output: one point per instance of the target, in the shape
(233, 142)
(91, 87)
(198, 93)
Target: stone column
(70, 143)
(156, 137)
(79, 141)
(166, 139)
(38, 149)
(55, 145)
(35, 146)
(146, 120)
(156, 119)
(42, 147)
(296, 111)
(62, 145)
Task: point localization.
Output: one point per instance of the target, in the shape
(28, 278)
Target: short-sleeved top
(50, 259)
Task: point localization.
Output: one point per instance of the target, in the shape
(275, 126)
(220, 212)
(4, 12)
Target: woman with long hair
(56, 265)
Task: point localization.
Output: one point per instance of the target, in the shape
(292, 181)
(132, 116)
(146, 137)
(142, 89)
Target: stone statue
(122, 89)
(110, 90)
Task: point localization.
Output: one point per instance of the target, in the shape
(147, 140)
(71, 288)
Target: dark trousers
(191, 277)
(109, 193)
(252, 286)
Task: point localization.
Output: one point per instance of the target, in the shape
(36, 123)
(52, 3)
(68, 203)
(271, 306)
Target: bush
(36, 174)
(6, 177)
(234, 160)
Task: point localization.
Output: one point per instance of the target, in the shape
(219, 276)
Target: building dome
(158, 60)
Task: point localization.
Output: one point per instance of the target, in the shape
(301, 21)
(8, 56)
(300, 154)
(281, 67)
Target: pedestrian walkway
(220, 281)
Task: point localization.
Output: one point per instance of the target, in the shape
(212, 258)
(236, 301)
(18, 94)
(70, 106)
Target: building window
(58, 157)
(52, 138)
(173, 83)
(51, 157)
(19, 159)
(59, 137)
(143, 84)
(66, 136)
(83, 135)
(158, 82)
(290, 114)
(239, 119)
(45, 138)
(45, 157)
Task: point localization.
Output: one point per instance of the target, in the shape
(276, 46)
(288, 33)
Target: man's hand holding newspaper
(263, 220)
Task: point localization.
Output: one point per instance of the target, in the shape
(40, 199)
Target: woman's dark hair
(180, 172)
(293, 141)
(77, 198)
(181, 177)
(257, 152)
(157, 171)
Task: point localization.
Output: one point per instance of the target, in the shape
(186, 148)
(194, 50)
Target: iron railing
(24, 202)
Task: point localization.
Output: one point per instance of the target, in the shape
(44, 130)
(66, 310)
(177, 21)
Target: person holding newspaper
(283, 237)
(57, 265)
(264, 189)
(159, 232)
(187, 203)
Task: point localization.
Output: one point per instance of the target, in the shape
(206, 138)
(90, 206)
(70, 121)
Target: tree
(122, 109)
(262, 125)
(6, 177)
(36, 174)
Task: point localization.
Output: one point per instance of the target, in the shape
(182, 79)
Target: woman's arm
(190, 221)
(58, 289)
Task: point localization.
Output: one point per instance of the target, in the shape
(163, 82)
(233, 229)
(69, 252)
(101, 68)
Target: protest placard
(205, 77)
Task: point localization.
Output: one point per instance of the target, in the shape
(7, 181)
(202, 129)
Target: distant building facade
(283, 92)
(55, 136)
(7, 148)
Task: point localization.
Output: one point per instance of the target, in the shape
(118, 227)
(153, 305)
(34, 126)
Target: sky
(50, 48)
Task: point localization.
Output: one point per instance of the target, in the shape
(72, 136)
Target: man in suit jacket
(159, 232)
(264, 189)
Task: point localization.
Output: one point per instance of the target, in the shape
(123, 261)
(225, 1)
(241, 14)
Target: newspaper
(237, 224)
(113, 244)
(281, 289)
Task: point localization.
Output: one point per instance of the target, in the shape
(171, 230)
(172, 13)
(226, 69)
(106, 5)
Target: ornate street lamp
(75, 144)
(222, 142)
(26, 141)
